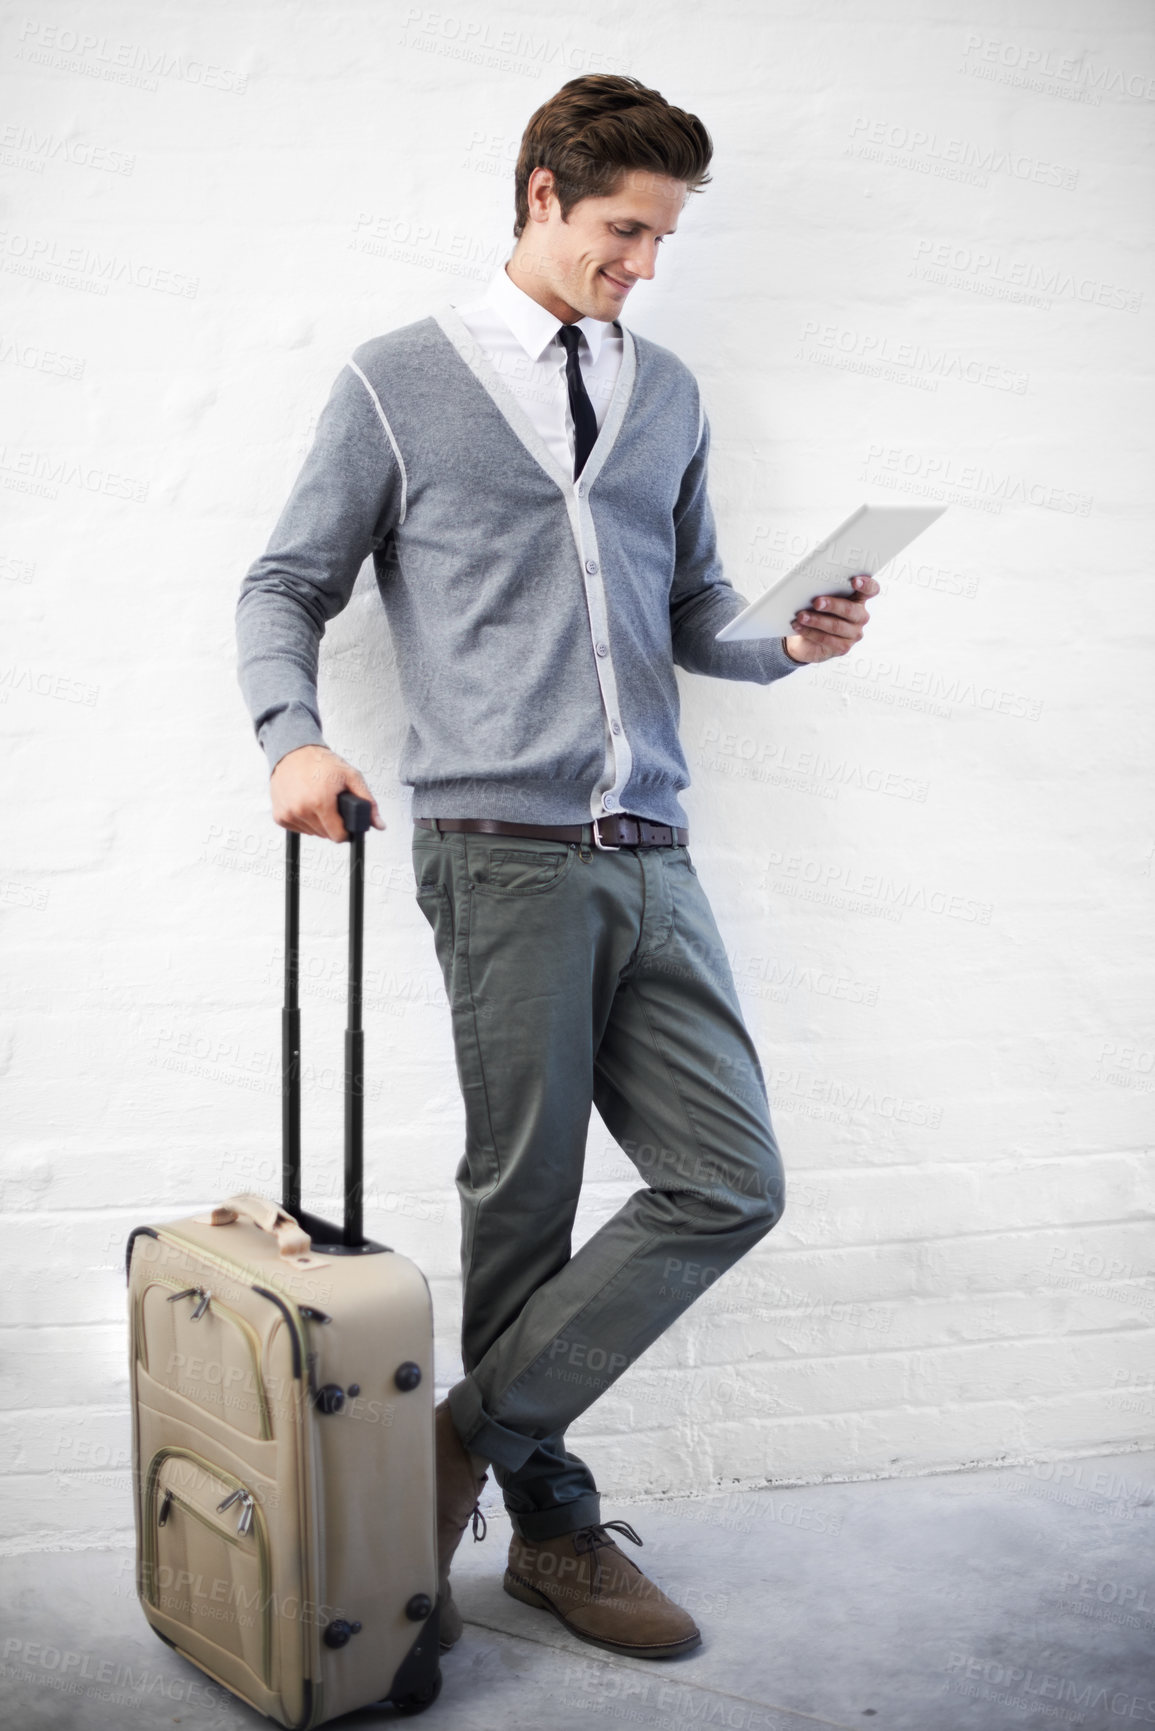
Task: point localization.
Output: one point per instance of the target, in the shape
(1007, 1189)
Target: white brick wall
(922, 271)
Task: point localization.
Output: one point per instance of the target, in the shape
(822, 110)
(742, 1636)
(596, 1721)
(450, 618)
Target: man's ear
(538, 193)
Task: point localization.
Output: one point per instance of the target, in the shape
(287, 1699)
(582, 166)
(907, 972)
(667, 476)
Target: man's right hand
(304, 786)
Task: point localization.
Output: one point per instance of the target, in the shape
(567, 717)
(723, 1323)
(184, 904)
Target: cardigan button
(591, 566)
(602, 648)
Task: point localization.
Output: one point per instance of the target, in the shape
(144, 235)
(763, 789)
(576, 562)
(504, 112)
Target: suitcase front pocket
(201, 1348)
(205, 1557)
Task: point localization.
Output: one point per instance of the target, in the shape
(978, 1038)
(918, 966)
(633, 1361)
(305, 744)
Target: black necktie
(585, 422)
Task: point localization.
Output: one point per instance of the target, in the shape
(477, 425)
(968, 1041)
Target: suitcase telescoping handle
(355, 815)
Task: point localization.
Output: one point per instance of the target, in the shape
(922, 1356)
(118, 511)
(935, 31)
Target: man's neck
(537, 286)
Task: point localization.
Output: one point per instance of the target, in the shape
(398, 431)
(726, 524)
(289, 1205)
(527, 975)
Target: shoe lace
(591, 1537)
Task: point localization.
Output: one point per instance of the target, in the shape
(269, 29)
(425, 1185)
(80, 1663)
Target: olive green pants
(576, 978)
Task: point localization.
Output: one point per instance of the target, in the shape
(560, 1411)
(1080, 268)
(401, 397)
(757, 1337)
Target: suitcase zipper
(250, 1509)
(294, 1315)
(204, 1300)
(194, 1292)
(247, 1506)
(237, 1270)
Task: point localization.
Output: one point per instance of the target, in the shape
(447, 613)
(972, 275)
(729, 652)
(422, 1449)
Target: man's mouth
(624, 286)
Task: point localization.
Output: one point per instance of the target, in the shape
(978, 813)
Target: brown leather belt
(605, 832)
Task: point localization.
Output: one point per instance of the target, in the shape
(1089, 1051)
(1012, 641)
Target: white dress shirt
(519, 338)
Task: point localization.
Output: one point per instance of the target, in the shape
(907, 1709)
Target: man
(530, 479)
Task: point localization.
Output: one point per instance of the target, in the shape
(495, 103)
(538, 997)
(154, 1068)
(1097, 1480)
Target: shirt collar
(532, 325)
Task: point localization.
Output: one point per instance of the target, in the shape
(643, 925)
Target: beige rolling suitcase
(282, 1421)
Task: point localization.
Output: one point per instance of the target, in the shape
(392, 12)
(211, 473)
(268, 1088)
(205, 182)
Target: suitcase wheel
(406, 1705)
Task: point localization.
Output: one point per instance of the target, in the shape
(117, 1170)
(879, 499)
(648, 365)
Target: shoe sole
(519, 1589)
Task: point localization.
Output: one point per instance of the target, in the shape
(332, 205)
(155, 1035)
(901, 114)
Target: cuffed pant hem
(584, 1511)
(483, 1435)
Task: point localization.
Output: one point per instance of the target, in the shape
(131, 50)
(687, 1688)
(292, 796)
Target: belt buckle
(606, 847)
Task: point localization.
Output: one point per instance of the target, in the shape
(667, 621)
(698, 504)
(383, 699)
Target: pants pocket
(529, 866)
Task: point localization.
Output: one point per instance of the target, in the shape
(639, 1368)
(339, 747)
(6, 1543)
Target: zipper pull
(164, 1507)
(202, 1306)
(189, 1292)
(245, 1498)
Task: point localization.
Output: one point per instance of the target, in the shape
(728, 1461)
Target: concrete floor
(973, 1601)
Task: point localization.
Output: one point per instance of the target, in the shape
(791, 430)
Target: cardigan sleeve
(702, 599)
(345, 501)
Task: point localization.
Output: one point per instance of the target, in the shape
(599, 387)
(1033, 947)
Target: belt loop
(436, 826)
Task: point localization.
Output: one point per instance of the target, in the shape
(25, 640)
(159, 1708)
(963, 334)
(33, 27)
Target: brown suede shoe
(460, 1479)
(598, 1593)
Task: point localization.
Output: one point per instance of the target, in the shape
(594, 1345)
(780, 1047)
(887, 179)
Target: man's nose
(641, 259)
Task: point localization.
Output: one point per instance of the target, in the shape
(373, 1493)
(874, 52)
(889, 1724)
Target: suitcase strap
(293, 1242)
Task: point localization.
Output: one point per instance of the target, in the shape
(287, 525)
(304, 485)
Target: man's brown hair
(597, 126)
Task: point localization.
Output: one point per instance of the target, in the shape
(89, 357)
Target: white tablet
(869, 539)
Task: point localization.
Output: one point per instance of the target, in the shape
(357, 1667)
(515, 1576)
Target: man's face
(586, 267)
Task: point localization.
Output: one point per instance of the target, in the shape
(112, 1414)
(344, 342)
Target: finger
(809, 634)
(866, 586)
(824, 625)
(841, 605)
(818, 643)
(299, 826)
(334, 825)
(360, 787)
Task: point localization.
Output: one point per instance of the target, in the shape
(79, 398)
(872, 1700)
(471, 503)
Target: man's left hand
(832, 625)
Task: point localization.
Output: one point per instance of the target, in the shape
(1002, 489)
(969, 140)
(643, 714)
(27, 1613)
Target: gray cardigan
(537, 620)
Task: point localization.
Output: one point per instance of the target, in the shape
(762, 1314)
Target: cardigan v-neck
(467, 346)
(521, 338)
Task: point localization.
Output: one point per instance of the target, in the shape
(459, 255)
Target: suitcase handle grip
(293, 1241)
(356, 813)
